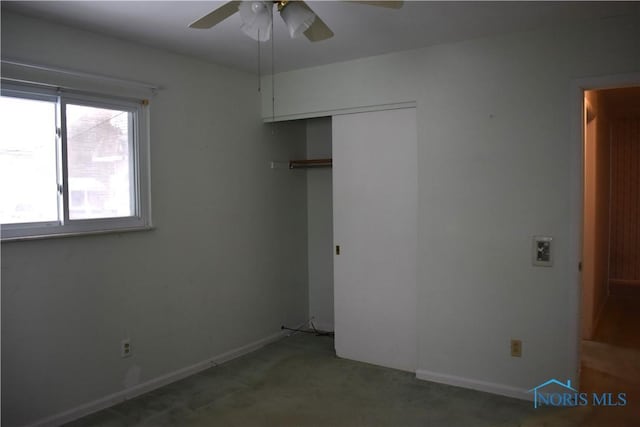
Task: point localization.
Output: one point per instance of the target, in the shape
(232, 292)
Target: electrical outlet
(125, 347)
(516, 348)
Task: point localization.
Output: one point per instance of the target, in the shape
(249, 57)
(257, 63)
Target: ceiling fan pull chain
(259, 66)
(273, 79)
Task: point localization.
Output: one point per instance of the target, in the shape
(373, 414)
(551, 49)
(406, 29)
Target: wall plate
(542, 251)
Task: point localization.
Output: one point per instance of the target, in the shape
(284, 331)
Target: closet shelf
(310, 163)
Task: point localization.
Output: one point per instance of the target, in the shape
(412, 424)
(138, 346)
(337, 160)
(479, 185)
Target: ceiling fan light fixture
(256, 19)
(297, 17)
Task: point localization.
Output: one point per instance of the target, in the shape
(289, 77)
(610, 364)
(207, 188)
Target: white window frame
(139, 158)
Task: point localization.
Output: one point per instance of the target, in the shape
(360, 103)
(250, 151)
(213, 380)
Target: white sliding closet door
(375, 224)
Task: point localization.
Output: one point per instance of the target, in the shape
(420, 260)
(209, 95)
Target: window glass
(99, 147)
(28, 171)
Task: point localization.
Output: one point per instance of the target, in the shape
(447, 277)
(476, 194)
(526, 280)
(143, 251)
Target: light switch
(542, 251)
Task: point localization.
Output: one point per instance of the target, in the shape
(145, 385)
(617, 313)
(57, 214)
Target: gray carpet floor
(298, 381)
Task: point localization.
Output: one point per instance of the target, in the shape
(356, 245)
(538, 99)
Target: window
(71, 163)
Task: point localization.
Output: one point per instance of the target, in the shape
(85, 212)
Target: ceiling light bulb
(257, 6)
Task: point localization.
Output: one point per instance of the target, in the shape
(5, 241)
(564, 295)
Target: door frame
(577, 90)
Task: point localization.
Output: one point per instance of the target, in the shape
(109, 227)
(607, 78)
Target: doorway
(610, 323)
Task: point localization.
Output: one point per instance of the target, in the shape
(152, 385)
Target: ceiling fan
(257, 18)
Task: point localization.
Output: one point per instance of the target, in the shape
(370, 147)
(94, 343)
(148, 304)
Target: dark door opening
(610, 350)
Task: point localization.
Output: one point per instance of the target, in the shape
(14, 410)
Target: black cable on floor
(315, 331)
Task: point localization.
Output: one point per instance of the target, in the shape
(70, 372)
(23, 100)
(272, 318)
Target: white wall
(225, 266)
(496, 162)
(320, 225)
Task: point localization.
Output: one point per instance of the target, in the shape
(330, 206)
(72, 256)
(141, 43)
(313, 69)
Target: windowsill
(76, 234)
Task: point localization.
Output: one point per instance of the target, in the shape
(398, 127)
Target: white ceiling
(360, 30)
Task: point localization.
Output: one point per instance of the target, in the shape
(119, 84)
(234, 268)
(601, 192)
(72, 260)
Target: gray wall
(225, 266)
(498, 162)
(320, 225)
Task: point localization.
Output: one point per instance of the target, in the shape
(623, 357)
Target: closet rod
(312, 163)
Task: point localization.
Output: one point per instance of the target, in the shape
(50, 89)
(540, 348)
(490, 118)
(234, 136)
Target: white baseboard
(130, 393)
(494, 388)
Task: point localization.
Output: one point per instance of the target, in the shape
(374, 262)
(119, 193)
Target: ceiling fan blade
(388, 4)
(318, 30)
(217, 16)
